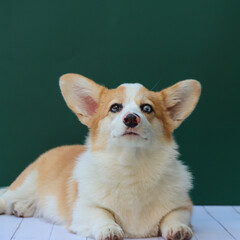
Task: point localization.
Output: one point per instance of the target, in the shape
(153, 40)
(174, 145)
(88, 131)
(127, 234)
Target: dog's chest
(133, 198)
(136, 207)
(134, 194)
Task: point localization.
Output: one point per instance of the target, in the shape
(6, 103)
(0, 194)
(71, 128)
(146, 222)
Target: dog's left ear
(81, 95)
(180, 100)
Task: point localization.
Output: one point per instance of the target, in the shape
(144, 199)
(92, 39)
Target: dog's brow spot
(132, 90)
(131, 85)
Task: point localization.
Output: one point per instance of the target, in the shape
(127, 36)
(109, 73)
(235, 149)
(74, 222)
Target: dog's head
(130, 115)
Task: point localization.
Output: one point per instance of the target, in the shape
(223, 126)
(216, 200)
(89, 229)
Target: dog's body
(126, 181)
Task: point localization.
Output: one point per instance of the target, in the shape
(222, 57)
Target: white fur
(49, 209)
(22, 201)
(132, 90)
(139, 187)
(138, 181)
(177, 221)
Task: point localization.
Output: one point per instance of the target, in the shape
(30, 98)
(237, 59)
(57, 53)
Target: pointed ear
(180, 100)
(81, 95)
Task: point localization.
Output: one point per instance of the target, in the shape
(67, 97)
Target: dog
(126, 181)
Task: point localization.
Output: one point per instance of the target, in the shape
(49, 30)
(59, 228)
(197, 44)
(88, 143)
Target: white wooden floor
(210, 223)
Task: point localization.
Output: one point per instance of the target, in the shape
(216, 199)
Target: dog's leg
(176, 225)
(97, 222)
(20, 197)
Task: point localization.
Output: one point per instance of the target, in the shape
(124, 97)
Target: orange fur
(106, 99)
(54, 170)
(174, 100)
(156, 100)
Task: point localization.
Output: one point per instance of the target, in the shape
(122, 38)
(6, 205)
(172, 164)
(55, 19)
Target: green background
(120, 41)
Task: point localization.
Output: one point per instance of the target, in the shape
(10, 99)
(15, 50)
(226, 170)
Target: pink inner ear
(85, 101)
(89, 104)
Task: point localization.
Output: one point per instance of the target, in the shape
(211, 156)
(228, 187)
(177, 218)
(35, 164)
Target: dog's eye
(146, 108)
(116, 107)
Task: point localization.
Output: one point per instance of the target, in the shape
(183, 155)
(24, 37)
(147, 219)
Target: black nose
(131, 120)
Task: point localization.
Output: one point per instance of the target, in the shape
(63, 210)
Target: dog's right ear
(81, 95)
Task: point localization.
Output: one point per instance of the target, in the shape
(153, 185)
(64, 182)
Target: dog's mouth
(130, 133)
(133, 133)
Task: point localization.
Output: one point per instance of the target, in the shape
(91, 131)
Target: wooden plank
(206, 227)
(227, 217)
(33, 229)
(8, 226)
(61, 233)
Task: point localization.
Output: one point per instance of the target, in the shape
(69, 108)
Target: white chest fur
(138, 187)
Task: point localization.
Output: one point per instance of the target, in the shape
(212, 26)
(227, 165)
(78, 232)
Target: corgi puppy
(126, 181)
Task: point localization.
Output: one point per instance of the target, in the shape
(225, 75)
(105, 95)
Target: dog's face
(130, 115)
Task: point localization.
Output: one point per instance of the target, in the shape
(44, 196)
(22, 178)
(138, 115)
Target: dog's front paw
(178, 232)
(109, 232)
(106, 232)
(24, 209)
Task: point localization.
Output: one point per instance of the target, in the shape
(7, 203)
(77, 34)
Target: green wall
(114, 42)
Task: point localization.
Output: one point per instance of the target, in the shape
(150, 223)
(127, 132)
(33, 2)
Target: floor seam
(234, 208)
(16, 229)
(219, 223)
(50, 235)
